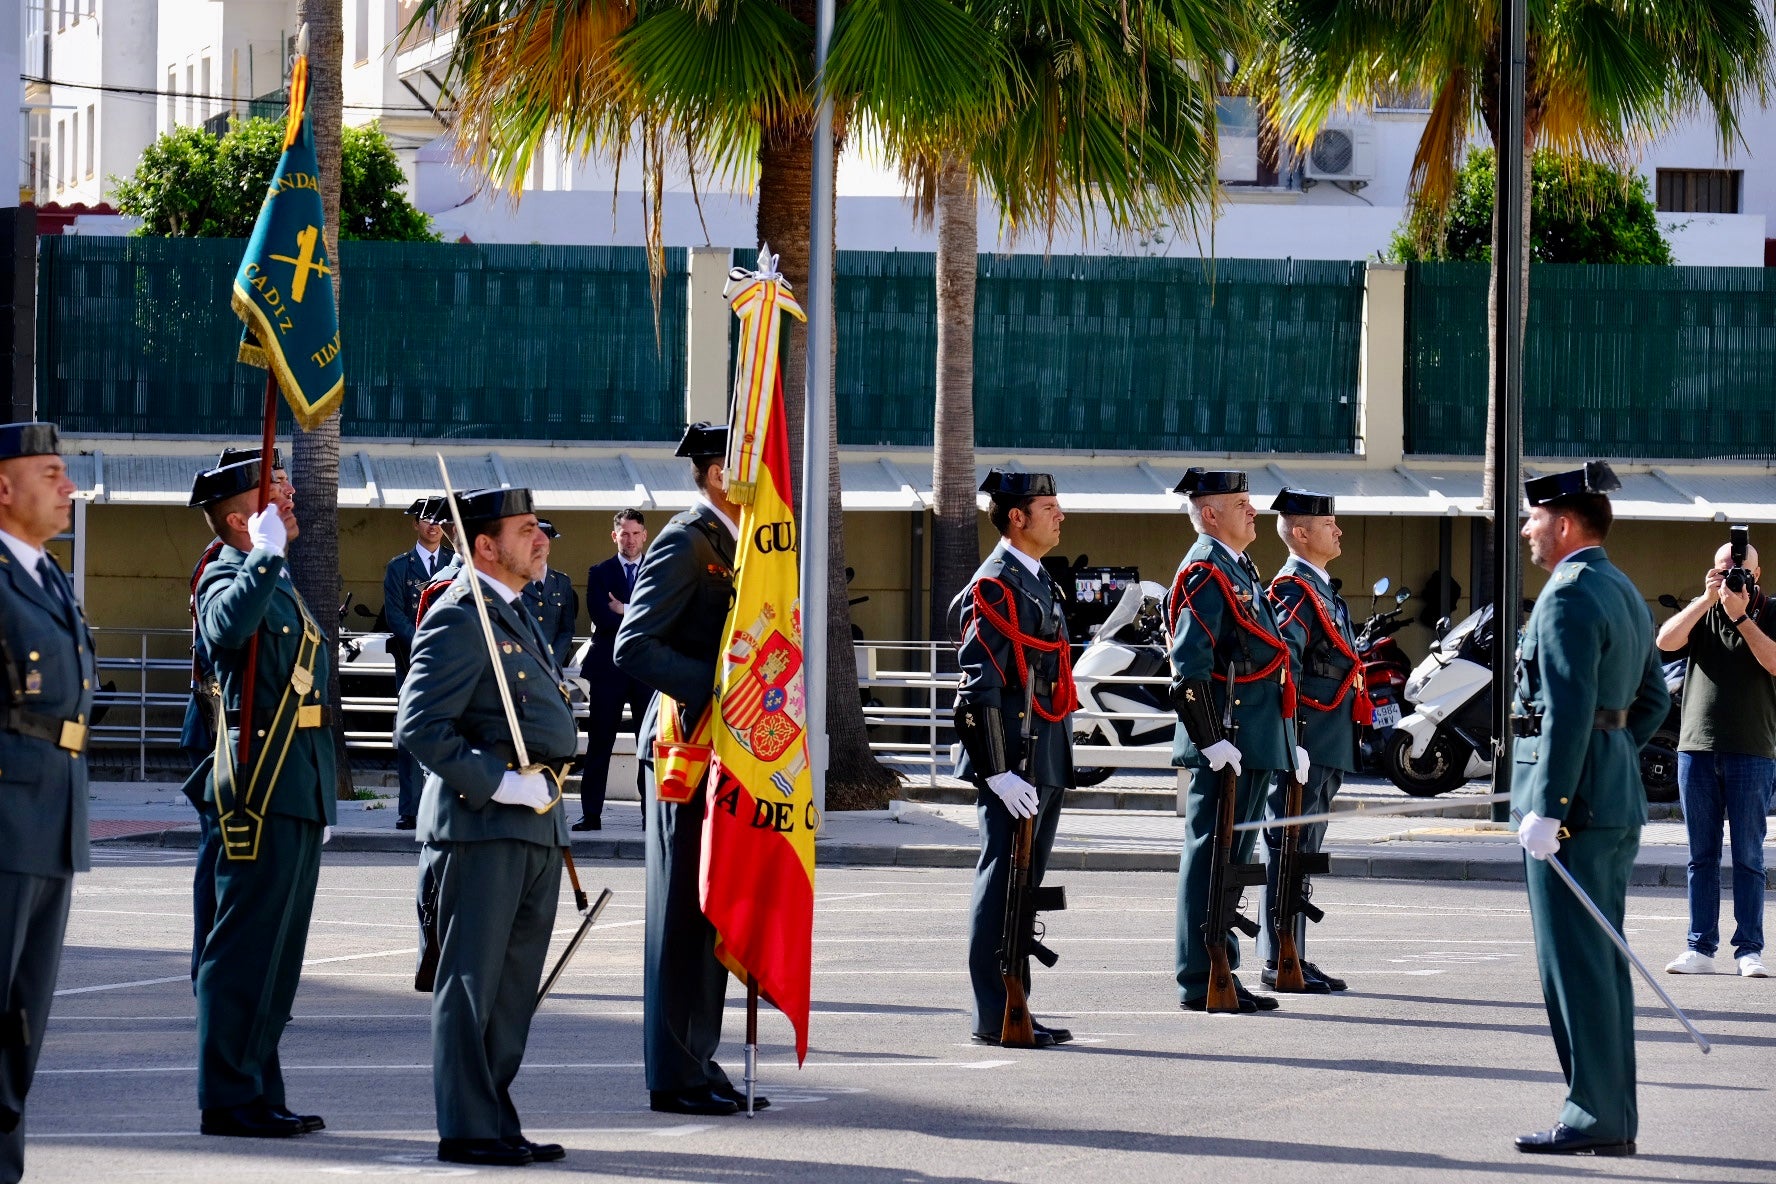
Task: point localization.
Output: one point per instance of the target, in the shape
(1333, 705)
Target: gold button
(261, 569)
(1236, 702)
(286, 628)
(35, 655)
(1563, 801)
(85, 684)
(262, 731)
(521, 674)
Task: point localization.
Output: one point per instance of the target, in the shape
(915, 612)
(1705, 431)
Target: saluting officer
(1590, 694)
(1014, 637)
(47, 680)
(670, 639)
(1229, 663)
(403, 580)
(1332, 701)
(553, 601)
(272, 809)
(493, 832)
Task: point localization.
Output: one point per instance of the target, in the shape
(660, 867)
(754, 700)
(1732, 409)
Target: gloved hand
(326, 835)
(1018, 795)
(523, 789)
(1539, 836)
(1222, 753)
(266, 530)
(1301, 763)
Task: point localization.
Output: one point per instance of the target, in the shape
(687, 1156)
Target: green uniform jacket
(555, 607)
(1207, 640)
(1588, 646)
(237, 595)
(1322, 673)
(451, 719)
(43, 786)
(402, 581)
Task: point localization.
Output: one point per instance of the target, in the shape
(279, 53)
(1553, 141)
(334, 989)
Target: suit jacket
(555, 606)
(1208, 641)
(239, 595)
(1322, 673)
(990, 673)
(672, 633)
(403, 580)
(43, 786)
(1588, 646)
(603, 581)
(451, 719)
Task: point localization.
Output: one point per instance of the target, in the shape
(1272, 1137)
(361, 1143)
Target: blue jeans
(1730, 788)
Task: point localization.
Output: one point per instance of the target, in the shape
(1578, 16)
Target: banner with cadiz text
(758, 832)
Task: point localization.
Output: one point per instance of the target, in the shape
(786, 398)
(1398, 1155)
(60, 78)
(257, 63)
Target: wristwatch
(1735, 622)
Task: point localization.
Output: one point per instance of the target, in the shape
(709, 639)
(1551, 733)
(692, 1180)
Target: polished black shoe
(738, 1097)
(1563, 1140)
(1247, 1004)
(589, 824)
(485, 1153)
(406, 822)
(310, 1122)
(703, 1101)
(1312, 985)
(1333, 983)
(1058, 1035)
(1259, 1002)
(539, 1152)
(252, 1121)
(1043, 1039)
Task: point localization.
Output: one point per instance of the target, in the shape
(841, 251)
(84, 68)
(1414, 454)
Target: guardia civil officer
(1225, 642)
(1014, 636)
(493, 831)
(403, 580)
(670, 639)
(438, 511)
(272, 809)
(47, 680)
(1590, 694)
(1332, 702)
(553, 601)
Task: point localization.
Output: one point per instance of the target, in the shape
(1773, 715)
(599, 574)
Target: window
(361, 32)
(68, 170)
(208, 108)
(92, 123)
(1699, 191)
(61, 15)
(172, 98)
(190, 94)
(61, 153)
(38, 173)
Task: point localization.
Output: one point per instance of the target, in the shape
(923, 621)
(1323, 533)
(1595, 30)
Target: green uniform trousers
(684, 985)
(1585, 979)
(496, 911)
(1197, 862)
(252, 962)
(33, 920)
(992, 880)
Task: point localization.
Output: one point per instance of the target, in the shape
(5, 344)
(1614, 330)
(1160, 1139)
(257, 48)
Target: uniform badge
(34, 683)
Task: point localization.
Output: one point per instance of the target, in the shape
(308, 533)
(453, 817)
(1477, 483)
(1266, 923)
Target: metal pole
(817, 420)
(1507, 391)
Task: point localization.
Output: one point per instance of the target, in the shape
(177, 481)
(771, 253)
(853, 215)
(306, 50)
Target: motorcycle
(1130, 645)
(1385, 670)
(1447, 737)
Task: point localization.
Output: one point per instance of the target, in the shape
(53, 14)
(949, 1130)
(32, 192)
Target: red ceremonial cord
(1064, 697)
(1181, 595)
(1362, 708)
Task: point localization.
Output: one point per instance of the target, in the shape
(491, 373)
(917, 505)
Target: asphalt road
(1425, 1069)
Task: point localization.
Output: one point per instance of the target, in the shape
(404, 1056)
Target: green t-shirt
(1729, 699)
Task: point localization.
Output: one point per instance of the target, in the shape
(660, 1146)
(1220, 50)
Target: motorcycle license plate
(1387, 715)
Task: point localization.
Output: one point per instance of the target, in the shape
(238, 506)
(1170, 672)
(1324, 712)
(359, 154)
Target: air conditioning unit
(1342, 154)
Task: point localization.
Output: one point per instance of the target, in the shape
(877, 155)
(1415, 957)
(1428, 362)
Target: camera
(1738, 578)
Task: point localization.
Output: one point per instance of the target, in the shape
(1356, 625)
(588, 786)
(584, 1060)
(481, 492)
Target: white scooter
(1125, 672)
(1447, 737)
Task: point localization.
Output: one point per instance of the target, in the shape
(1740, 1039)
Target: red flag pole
(267, 444)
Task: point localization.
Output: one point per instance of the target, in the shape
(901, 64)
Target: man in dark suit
(553, 601)
(609, 586)
(403, 580)
(47, 681)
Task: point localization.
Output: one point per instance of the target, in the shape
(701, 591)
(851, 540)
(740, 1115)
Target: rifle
(1023, 900)
(1228, 880)
(1294, 893)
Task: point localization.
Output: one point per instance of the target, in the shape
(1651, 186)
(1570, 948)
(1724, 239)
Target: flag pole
(752, 1039)
(267, 445)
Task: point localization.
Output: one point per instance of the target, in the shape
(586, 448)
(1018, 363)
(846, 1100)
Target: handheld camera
(1739, 578)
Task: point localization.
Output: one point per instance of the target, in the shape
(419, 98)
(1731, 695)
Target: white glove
(1539, 836)
(266, 531)
(1222, 753)
(326, 835)
(523, 789)
(1301, 763)
(1018, 795)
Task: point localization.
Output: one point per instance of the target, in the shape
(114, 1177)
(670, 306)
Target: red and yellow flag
(758, 833)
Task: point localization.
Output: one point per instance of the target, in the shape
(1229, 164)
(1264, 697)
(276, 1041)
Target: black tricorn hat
(548, 528)
(1013, 486)
(485, 505)
(704, 439)
(1595, 477)
(1206, 482)
(32, 438)
(233, 456)
(1300, 501)
(223, 482)
(435, 509)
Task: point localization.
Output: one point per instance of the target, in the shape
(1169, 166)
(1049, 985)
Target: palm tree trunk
(955, 533)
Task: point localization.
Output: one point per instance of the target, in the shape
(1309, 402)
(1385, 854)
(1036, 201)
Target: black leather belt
(1604, 719)
(63, 733)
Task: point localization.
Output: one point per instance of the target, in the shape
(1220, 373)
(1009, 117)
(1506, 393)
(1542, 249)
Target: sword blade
(573, 944)
(1365, 808)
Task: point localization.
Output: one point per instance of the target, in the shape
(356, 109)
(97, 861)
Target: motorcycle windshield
(1452, 641)
(1128, 607)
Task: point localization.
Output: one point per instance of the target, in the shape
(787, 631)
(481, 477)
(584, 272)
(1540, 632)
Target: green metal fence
(440, 340)
(1647, 362)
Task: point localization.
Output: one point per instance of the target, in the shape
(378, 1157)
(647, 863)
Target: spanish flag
(758, 833)
(284, 288)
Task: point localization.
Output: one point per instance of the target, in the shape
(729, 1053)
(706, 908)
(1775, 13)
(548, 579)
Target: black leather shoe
(252, 1121)
(1247, 1004)
(539, 1152)
(486, 1153)
(1259, 1002)
(1313, 986)
(1563, 1140)
(703, 1101)
(589, 824)
(1332, 983)
(738, 1097)
(406, 822)
(310, 1122)
(1043, 1039)
(1058, 1035)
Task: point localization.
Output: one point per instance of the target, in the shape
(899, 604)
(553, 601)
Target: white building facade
(90, 120)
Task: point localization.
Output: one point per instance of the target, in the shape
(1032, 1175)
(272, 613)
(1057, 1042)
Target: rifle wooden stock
(1018, 1029)
(1222, 994)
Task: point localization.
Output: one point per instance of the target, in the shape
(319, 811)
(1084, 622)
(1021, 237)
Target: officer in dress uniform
(47, 680)
(273, 808)
(1590, 694)
(670, 639)
(403, 580)
(438, 510)
(1014, 637)
(1230, 665)
(493, 832)
(1332, 702)
(553, 601)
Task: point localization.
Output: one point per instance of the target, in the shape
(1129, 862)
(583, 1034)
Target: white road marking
(676, 1131)
(573, 1066)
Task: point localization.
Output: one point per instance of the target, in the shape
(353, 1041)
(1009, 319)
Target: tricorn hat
(1300, 501)
(1206, 482)
(32, 438)
(704, 439)
(1595, 477)
(223, 482)
(485, 505)
(436, 509)
(548, 528)
(233, 456)
(1018, 485)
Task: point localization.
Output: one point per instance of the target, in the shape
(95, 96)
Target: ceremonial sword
(1365, 808)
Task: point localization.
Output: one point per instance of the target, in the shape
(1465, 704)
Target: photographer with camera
(1726, 750)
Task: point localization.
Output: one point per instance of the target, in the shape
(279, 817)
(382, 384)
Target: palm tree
(728, 86)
